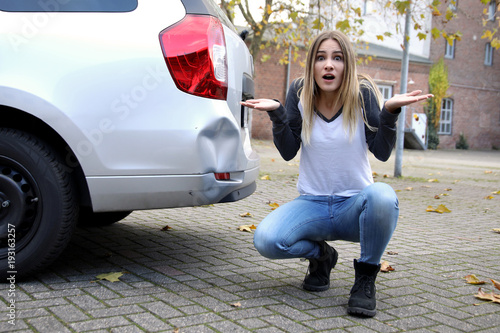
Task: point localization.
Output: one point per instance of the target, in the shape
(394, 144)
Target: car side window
(68, 5)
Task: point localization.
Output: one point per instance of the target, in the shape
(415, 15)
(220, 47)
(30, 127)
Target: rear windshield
(68, 5)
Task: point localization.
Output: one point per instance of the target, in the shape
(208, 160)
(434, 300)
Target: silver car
(112, 106)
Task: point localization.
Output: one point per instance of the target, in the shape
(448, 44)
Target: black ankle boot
(362, 301)
(319, 269)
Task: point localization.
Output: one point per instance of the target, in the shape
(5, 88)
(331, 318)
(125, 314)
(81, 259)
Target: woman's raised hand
(262, 104)
(398, 101)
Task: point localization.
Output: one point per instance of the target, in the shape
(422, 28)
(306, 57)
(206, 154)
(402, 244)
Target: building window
(488, 55)
(449, 51)
(453, 5)
(446, 116)
(386, 91)
(492, 10)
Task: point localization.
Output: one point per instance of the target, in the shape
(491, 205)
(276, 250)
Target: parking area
(195, 270)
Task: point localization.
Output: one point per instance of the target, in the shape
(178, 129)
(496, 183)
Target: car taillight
(195, 52)
(222, 176)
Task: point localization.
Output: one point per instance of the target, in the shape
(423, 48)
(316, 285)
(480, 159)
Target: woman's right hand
(262, 104)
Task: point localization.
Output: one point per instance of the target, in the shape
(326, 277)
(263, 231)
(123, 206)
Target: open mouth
(329, 77)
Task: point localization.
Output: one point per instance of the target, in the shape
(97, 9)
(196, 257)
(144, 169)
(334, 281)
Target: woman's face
(329, 66)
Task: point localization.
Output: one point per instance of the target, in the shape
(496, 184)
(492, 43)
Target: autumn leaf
(247, 228)
(266, 177)
(166, 228)
(489, 197)
(496, 284)
(433, 181)
(437, 197)
(236, 305)
(488, 171)
(385, 267)
(409, 188)
(496, 192)
(447, 189)
(440, 209)
(111, 277)
(274, 205)
(488, 296)
(497, 230)
(247, 214)
(472, 279)
(392, 253)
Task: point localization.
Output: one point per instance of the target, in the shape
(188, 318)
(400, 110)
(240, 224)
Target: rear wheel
(38, 209)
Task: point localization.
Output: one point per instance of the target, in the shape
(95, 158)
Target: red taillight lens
(195, 52)
(222, 176)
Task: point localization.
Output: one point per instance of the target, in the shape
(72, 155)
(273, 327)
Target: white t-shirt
(331, 164)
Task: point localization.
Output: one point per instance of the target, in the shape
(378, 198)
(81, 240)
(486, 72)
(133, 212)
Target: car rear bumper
(120, 193)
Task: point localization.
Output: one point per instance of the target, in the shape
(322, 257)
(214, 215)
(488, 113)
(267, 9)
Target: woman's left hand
(398, 101)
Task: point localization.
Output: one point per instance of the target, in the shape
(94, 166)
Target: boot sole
(311, 287)
(360, 312)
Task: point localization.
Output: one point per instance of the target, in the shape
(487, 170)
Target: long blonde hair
(349, 92)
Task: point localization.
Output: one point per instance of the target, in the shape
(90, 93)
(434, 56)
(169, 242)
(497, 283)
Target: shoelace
(364, 283)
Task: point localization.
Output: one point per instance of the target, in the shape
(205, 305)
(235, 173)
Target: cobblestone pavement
(204, 275)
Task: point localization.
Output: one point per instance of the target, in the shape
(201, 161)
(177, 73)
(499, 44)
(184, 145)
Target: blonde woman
(334, 116)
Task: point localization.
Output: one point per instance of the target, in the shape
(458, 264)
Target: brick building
(472, 107)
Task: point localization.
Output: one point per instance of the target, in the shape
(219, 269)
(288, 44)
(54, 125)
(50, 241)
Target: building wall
(474, 87)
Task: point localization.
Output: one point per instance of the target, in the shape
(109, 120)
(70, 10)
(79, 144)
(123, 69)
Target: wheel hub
(18, 199)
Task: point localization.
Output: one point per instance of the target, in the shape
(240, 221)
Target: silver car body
(100, 81)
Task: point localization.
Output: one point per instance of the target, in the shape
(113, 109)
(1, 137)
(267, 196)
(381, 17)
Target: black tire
(39, 209)
(88, 218)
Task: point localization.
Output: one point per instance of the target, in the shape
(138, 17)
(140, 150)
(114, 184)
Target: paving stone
(48, 324)
(190, 276)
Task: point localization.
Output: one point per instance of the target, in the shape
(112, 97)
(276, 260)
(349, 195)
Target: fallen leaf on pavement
(266, 177)
(274, 205)
(247, 214)
(488, 171)
(489, 197)
(111, 277)
(247, 228)
(496, 192)
(472, 279)
(496, 284)
(433, 181)
(440, 209)
(385, 267)
(497, 230)
(488, 296)
(166, 228)
(236, 305)
(392, 253)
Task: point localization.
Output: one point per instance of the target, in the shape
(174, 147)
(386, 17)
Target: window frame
(492, 10)
(488, 55)
(453, 6)
(449, 50)
(446, 117)
(385, 88)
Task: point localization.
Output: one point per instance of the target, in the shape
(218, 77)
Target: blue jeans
(294, 229)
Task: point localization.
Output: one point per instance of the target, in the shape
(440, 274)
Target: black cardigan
(287, 125)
